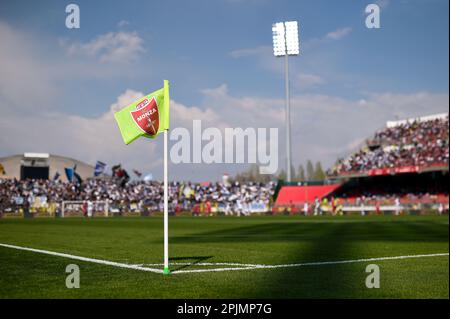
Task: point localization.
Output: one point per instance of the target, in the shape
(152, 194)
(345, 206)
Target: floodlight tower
(285, 43)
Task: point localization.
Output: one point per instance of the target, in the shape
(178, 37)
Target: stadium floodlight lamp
(292, 44)
(286, 43)
(279, 41)
(285, 38)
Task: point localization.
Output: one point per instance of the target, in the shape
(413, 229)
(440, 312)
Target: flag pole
(166, 270)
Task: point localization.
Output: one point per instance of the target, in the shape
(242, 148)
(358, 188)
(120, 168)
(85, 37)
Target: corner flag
(148, 117)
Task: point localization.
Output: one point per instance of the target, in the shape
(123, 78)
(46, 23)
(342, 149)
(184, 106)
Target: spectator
(418, 143)
(236, 197)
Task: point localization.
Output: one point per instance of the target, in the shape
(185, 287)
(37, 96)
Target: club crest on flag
(146, 116)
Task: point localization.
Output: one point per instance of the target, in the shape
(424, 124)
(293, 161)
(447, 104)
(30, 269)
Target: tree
(319, 174)
(301, 173)
(293, 173)
(282, 175)
(310, 170)
(251, 174)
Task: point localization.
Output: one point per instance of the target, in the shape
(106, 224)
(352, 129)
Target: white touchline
(91, 260)
(321, 263)
(204, 264)
(238, 265)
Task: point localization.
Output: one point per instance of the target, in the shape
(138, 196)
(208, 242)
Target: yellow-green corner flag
(146, 117)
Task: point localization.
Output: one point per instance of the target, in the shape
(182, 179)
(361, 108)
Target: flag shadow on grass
(326, 281)
(310, 231)
(195, 260)
(317, 242)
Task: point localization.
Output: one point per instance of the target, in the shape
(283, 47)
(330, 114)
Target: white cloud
(331, 36)
(241, 111)
(339, 33)
(247, 1)
(250, 52)
(323, 128)
(81, 137)
(383, 3)
(24, 80)
(33, 73)
(113, 47)
(93, 138)
(305, 81)
(220, 91)
(123, 23)
(263, 55)
(33, 76)
(124, 99)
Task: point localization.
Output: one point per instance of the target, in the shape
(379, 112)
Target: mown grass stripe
(244, 266)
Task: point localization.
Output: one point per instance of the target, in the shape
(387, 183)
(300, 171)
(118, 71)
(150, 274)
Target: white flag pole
(166, 208)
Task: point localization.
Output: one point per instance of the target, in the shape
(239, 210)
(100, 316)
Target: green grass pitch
(267, 240)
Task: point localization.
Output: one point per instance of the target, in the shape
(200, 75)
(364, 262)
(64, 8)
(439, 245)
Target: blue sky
(216, 55)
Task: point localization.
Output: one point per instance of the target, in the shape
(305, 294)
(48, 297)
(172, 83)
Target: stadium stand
(136, 196)
(404, 165)
(41, 165)
(297, 195)
(402, 147)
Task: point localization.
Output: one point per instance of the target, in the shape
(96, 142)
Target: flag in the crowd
(114, 169)
(56, 177)
(117, 171)
(188, 192)
(69, 173)
(148, 178)
(146, 117)
(120, 175)
(137, 173)
(2, 170)
(78, 177)
(100, 168)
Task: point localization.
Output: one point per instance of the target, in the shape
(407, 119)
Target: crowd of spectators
(232, 198)
(415, 143)
(379, 196)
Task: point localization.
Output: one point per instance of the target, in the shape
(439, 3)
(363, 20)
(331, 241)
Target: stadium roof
(417, 119)
(56, 163)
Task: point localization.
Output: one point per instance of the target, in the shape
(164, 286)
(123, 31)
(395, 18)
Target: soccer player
(397, 206)
(316, 206)
(305, 208)
(441, 208)
(90, 208)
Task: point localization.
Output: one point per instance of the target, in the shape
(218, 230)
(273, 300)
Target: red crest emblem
(146, 116)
